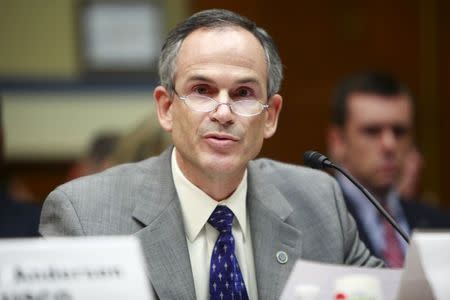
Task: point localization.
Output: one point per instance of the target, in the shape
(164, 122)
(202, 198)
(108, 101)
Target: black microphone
(316, 160)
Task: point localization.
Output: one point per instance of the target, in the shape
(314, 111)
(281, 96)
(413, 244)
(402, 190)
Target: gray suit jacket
(292, 209)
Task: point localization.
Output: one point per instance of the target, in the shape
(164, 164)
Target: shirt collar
(197, 206)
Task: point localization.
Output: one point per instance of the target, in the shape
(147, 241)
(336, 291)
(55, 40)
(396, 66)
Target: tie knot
(221, 219)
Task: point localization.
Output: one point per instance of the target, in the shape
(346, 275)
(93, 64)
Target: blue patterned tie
(225, 278)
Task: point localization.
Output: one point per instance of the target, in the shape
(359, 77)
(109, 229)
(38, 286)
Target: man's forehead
(368, 96)
(209, 50)
(373, 106)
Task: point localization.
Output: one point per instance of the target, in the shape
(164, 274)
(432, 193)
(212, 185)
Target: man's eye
(400, 131)
(242, 93)
(372, 130)
(200, 90)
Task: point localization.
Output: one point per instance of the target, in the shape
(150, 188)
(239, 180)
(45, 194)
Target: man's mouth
(222, 136)
(221, 141)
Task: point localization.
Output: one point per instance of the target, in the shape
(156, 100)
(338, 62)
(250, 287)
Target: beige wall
(60, 125)
(38, 38)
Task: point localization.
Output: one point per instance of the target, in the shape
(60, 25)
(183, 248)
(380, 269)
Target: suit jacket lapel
(363, 234)
(268, 211)
(163, 238)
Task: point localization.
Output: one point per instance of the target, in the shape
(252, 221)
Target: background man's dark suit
(418, 215)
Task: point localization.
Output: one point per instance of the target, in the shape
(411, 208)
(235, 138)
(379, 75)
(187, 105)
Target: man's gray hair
(218, 18)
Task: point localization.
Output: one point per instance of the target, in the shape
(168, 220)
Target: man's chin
(222, 166)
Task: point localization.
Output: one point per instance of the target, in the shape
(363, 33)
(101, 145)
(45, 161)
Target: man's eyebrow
(207, 79)
(199, 78)
(249, 80)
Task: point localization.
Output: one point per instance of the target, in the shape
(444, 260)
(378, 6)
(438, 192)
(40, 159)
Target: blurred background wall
(54, 103)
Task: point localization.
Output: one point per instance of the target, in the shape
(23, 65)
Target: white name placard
(427, 267)
(73, 268)
(316, 280)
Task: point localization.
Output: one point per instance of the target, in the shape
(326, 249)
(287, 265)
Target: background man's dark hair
(376, 83)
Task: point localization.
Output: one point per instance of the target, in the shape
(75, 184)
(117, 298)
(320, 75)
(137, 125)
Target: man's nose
(223, 113)
(389, 140)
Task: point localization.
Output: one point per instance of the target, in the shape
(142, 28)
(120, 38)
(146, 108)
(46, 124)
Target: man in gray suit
(220, 75)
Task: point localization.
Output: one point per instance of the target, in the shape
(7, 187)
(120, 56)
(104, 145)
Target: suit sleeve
(59, 217)
(355, 251)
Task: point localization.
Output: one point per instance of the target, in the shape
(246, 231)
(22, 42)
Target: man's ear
(273, 113)
(336, 143)
(163, 107)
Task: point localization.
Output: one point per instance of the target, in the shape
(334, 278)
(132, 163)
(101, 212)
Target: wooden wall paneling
(443, 88)
(427, 101)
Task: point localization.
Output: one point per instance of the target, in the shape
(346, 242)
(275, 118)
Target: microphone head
(315, 160)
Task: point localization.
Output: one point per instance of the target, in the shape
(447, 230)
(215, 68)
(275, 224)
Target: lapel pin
(282, 257)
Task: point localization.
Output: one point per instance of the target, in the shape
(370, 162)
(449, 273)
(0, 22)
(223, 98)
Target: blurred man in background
(145, 140)
(371, 136)
(97, 157)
